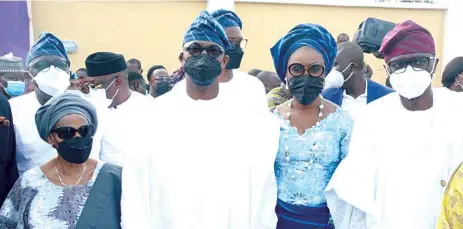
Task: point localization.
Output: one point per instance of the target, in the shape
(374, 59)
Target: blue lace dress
(304, 166)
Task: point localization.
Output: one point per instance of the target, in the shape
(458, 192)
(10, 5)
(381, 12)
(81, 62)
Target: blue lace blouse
(305, 163)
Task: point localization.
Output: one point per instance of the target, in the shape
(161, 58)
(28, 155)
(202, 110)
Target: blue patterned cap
(206, 28)
(227, 18)
(310, 35)
(47, 45)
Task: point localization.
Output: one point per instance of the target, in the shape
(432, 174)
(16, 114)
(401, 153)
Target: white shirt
(211, 167)
(31, 150)
(398, 164)
(354, 106)
(124, 126)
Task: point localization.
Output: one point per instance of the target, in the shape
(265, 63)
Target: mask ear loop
(351, 74)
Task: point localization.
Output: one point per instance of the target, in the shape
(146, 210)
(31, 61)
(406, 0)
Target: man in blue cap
(208, 169)
(247, 90)
(48, 65)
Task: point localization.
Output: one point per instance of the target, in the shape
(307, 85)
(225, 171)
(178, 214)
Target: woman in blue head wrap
(315, 133)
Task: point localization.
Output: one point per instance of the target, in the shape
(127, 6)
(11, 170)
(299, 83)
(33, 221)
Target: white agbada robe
(398, 165)
(210, 167)
(31, 150)
(124, 126)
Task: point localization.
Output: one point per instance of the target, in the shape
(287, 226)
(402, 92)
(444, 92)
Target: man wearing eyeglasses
(212, 166)
(244, 88)
(402, 150)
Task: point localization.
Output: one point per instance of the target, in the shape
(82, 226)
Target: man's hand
(4, 122)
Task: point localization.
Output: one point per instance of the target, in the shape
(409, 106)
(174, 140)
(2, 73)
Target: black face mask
(203, 70)
(162, 88)
(236, 56)
(306, 88)
(76, 150)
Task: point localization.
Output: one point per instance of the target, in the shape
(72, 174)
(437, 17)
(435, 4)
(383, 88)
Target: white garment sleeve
(350, 193)
(263, 214)
(135, 200)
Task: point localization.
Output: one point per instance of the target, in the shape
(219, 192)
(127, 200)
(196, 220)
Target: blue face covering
(15, 88)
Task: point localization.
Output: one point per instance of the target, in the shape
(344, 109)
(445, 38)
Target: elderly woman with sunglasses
(71, 190)
(314, 133)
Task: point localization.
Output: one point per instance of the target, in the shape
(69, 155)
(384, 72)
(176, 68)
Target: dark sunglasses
(314, 70)
(196, 49)
(45, 65)
(68, 132)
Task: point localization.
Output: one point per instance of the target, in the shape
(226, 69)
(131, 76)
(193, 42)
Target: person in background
(238, 194)
(452, 204)
(452, 78)
(160, 86)
(237, 83)
(108, 75)
(402, 151)
(48, 65)
(136, 82)
(74, 81)
(134, 65)
(8, 167)
(388, 83)
(350, 88)
(156, 71)
(315, 133)
(278, 96)
(368, 71)
(70, 190)
(12, 76)
(254, 72)
(81, 72)
(343, 37)
(269, 79)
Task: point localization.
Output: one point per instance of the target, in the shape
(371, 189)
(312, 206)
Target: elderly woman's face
(69, 126)
(303, 61)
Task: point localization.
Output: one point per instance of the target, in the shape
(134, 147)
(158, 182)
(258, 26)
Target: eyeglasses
(45, 65)
(196, 49)
(314, 70)
(418, 64)
(242, 44)
(68, 132)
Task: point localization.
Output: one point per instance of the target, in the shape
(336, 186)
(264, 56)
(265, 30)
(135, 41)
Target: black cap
(104, 63)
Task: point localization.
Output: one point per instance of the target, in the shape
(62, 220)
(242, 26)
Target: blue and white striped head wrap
(227, 18)
(307, 34)
(206, 28)
(47, 45)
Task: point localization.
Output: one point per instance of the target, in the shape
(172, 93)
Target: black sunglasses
(196, 49)
(45, 65)
(314, 70)
(68, 132)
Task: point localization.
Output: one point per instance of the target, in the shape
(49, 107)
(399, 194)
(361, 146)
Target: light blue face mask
(15, 88)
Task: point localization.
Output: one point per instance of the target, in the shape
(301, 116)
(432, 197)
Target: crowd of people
(316, 144)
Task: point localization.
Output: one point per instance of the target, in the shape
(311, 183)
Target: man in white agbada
(116, 104)
(211, 164)
(48, 64)
(404, 148)
(246, 89)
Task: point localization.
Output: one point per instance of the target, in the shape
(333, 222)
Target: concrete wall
(152, 31)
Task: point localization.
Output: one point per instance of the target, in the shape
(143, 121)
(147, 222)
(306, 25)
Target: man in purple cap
(402, 151)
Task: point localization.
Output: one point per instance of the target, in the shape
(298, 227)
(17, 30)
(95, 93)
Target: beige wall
(152, 31)
(264, 24)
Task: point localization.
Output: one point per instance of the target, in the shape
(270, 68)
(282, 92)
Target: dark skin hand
(304, 117)
(4, 122)
(198, 92)
(424, 101)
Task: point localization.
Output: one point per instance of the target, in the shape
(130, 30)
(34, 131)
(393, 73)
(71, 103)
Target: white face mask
(410, 84)
(335, 79)
(53, 81)
(99, 96)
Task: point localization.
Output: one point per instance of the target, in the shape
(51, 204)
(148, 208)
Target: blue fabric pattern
(227, 18)
(313, 158)
(206, 28)
(311, 35)
(47, 45)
